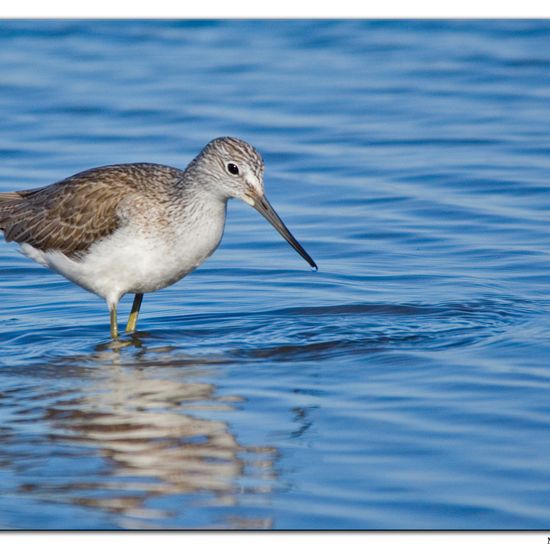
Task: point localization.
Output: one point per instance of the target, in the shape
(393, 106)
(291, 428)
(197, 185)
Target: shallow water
(403, 386)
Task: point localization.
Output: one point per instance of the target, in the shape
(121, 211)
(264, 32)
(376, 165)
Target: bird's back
(72, 214)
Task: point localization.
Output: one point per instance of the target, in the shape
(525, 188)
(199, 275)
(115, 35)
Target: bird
(139, 227)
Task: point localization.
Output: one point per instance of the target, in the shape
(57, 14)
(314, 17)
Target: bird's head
(236, 169)
(232, 168)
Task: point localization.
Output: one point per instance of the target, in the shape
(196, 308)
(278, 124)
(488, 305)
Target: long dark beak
(261, 204)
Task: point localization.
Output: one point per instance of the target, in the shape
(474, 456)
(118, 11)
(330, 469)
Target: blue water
(404, 386)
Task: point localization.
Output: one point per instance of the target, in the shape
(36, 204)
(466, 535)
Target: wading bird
(137, 228)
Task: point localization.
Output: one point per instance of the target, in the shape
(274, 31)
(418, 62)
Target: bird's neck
(191, 199)
(196, 184)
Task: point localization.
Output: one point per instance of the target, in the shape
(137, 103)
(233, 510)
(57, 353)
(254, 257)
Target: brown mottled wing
(67, 216)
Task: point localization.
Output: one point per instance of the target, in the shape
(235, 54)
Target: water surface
(403, 386)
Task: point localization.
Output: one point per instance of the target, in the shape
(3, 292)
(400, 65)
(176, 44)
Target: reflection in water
(154, 433)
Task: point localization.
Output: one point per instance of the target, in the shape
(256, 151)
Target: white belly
(135, 261)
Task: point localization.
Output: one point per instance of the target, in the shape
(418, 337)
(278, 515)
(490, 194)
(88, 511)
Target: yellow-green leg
(114, 326)
(132, 320)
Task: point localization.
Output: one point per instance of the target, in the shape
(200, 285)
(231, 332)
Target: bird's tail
(7, 202)
(9, 196)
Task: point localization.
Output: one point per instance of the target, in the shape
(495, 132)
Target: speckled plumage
(137, 227)
(69, 216)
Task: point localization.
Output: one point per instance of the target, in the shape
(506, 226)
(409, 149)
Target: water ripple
(404, 385)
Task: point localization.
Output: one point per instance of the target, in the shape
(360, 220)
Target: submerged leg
(114, 326)
(132, 320)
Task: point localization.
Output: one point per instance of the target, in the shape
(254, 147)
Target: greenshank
(137, 228)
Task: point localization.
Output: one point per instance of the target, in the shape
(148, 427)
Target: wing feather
(72, 214)
(68, 216)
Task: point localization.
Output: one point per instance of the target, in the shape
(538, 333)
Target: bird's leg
(132, 320)
(114, 326)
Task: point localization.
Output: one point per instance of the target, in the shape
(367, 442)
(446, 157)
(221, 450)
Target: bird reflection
(150, 417)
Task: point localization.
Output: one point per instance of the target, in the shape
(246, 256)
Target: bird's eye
(232, 168)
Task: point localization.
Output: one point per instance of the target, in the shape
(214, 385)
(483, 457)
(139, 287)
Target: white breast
(139, 259)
